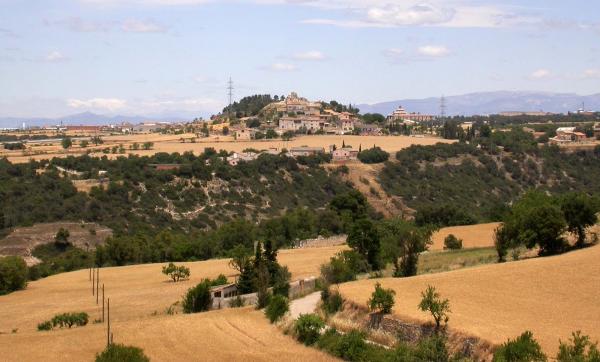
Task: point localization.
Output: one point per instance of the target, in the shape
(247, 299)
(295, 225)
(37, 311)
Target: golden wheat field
(551, 296)
(172, 143)
(473, 236)
(139, 297)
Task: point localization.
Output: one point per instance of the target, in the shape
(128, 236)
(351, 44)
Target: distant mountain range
(86, 118)
(491, 103)
(467, 104)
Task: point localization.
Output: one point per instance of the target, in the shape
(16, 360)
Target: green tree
(433, 303)
(278, 306)
(198, 298)
(84, 144)
(401, 244)
(61, 239)
(581, 349)
(452, 242)
(522, 349)
(121, 353)
(66, 142)
(148, 145)
(364, 239)
(176, 273)
(382, 300)
(536, 220)
(308, 328)
(13, 274)
(579, 213)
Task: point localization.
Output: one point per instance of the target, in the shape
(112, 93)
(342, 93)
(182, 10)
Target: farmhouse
(306, 151)
(567, 135)
(244, 134)
(367, 129)
(344, 154)
(235, 159)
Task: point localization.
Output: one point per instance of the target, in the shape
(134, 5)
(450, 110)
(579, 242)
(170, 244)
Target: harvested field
(473, 236)
(140, 296)
(551, 296)
(22, 240)
(172, 143)
(224, 335)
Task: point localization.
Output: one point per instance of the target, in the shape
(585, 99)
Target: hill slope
(550, 296)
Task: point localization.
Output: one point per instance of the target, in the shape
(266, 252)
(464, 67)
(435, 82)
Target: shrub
(120, 353)
(278, 306)
(220, 280)
(373, 155)
(61, 239)
(68, 320)
(198, 298)
(581, 349)
(332, 301)
(452, 242)
(343, 267)
(523, 349)
(432, 302)
(44, 326)
(13, 274)
(308, 327)
(382, 300)
(352, 346)
(177, 273)
(237, 302)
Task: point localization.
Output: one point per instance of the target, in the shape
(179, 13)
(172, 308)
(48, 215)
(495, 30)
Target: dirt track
(550, 296)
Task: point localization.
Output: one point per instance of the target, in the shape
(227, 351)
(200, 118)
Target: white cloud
(79, 25)
(591, 73)
(421, 14)
(540, 74)
(108, 104)
(142, 26)
(282, 67)
(55, 56)
(393, 52)
(309, 55)
(433, 51)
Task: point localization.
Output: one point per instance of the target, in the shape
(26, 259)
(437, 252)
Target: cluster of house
(301, 115)
(337, 154)
(566, 135)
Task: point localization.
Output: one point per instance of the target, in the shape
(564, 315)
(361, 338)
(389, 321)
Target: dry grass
(550, 296)
(139, 296)
(171, 143)
(473, 236)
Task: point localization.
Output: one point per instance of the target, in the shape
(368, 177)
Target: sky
(174, 57)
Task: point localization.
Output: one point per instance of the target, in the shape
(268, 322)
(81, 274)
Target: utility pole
(230, 94)
(97, 284)
(102, 302)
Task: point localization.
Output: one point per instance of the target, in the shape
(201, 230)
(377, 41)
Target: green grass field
(440, 261)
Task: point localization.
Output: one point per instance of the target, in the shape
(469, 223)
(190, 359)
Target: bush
(237, 302)
(332, 301)
(352, 346)
(343, 267)
(373, 155)
(432, 302)
(382, 300)
(452, 242)
(220, 280)
(13, 274)
(65, 320)
(198, 298)
(581, 349)
(121, 353)
(428, 349)
(308, 327)
(523, 349)
(44, 326)
(177, 273)
(278, 306)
